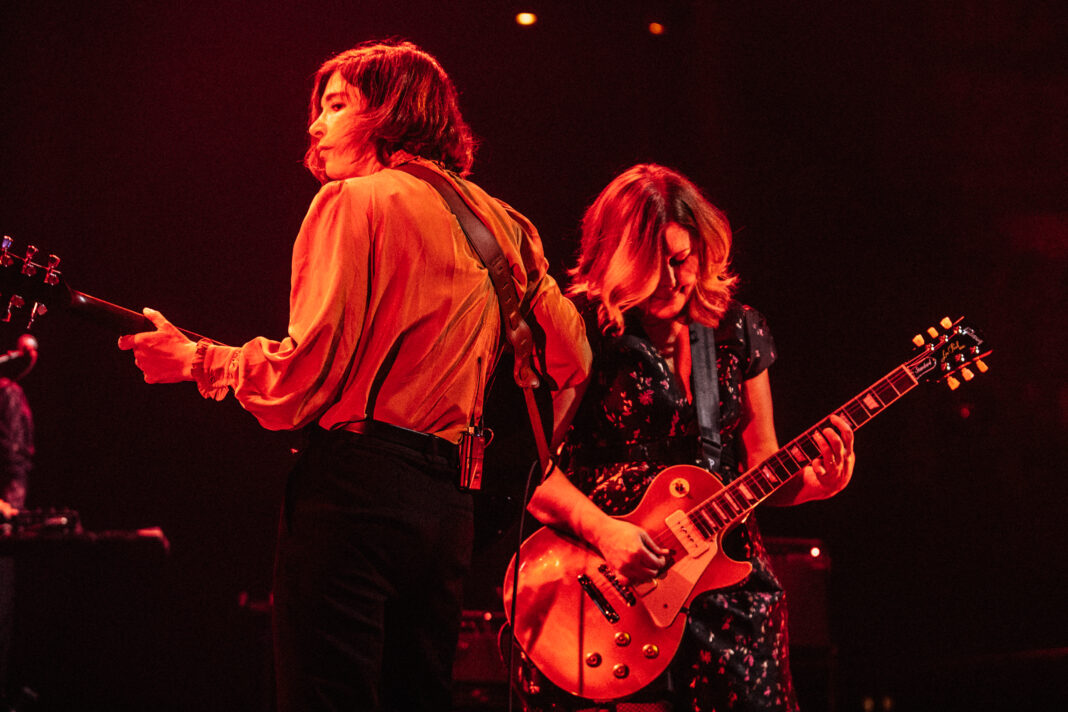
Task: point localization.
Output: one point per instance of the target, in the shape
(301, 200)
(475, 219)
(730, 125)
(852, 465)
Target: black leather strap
(516, 330)
(706, 392)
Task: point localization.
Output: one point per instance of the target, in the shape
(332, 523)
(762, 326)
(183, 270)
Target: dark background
(883, 165)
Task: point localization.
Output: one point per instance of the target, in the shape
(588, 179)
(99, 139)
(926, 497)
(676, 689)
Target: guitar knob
(593, 659)
(620, 671)
(680, 487)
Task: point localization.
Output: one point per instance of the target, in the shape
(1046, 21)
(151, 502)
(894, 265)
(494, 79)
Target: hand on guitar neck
(164, 355)
(30, 289)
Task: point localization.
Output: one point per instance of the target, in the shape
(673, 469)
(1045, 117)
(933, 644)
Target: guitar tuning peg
(918, 339)
(933, 332)
(981, 365)
(952, 382)
(28, 267)
(51, 275)
(6, 260)
(946, 322)
(967, 374)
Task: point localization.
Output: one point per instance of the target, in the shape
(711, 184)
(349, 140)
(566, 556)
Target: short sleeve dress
(634, 421)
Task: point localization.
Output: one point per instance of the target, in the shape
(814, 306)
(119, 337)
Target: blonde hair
(622, 246)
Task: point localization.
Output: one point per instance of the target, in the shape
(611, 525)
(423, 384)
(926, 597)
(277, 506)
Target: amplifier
(803, 567)
(480, 677)
(477, 657)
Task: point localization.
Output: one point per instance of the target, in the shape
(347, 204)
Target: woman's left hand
(164, 355)
(831, 471)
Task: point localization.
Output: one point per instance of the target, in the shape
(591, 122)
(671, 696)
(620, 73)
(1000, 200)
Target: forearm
(626, 548)
(558, 503)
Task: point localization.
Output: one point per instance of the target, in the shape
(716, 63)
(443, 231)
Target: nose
(317, 129)
(668, 275)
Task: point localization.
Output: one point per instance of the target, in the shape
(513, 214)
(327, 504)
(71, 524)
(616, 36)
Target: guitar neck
(33, 288)
(743, 494)
(951, 352)
(114, 317)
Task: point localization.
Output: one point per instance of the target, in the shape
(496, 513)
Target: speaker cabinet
(803, 567)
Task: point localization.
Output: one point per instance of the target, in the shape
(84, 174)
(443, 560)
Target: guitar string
(886, 390)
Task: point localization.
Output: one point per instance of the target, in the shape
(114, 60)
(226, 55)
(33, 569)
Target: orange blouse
(392, 315)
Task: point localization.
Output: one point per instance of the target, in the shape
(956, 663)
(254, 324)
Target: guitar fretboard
(754, 486)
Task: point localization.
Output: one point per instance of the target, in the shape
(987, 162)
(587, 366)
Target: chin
(665, 311)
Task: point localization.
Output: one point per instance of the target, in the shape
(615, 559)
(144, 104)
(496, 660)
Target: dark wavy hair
(622, 246)
(411, 105)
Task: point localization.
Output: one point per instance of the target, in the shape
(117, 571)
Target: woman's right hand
(629, 550)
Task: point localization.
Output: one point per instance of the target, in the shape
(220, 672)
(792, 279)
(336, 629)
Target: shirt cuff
(214, 368)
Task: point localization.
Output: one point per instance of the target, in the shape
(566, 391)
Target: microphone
(27, 348)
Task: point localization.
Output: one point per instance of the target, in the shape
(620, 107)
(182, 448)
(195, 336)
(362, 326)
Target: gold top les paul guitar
(30, 289)
(595, 636)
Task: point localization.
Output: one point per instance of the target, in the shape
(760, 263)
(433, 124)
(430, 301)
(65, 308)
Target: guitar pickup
(680, 524)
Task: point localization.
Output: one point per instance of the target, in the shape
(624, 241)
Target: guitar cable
(512, 642)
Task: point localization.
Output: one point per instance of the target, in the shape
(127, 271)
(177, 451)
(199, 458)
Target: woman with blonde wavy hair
(653, 262)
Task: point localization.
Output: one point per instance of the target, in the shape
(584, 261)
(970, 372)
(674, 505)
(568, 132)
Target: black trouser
(374, 543)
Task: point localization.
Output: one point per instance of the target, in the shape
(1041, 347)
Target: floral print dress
(634, 421)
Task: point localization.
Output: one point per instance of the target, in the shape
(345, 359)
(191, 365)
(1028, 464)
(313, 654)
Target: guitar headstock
(950, 350)
(26, 285)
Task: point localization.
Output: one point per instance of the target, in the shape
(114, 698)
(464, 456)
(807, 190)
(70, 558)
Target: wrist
(193, 369)
(596, 526)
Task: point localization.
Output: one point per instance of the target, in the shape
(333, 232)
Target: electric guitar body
(603, 639)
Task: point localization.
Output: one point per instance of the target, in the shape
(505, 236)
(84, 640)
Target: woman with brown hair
(394, 330)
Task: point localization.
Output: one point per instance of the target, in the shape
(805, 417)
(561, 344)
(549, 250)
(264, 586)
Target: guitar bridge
(618, 585)
(598, 598)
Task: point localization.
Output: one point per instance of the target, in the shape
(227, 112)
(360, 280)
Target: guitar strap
(706, 393)
(516, 330)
